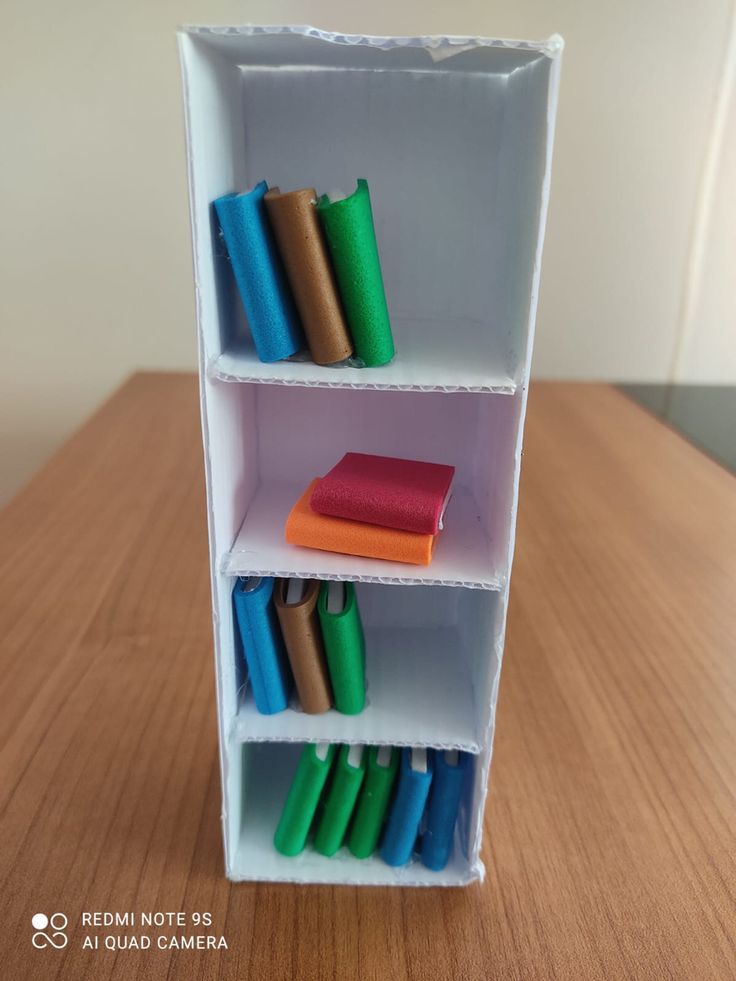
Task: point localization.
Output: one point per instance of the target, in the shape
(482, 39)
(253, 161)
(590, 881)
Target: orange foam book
(312, 530)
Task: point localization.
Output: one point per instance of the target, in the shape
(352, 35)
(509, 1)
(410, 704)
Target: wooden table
(610, 828)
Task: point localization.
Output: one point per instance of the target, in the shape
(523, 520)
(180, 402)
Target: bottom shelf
(267, 771)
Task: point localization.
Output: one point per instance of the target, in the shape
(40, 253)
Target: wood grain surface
(610, 827)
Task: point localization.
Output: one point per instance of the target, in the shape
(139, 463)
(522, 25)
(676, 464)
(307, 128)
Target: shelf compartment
(430, 652)
(454, 154)
(429, 357)
(268, 769)
(462, 557)
(269, 442)
(419, 693)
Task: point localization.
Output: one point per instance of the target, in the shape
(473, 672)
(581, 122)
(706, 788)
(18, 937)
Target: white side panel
(522, 164)
(480, 789)
(216, 165)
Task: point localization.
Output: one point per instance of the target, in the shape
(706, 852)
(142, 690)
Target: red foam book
(383, 490)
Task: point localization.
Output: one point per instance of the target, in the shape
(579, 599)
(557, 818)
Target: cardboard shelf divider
(452, 362)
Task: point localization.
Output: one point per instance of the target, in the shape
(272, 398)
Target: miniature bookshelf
(454, 136)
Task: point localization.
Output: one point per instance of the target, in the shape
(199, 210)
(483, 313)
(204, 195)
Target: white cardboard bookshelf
(454, 136)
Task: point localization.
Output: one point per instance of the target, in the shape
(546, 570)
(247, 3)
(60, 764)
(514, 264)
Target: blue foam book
(264, 289)
(402, 828)
(268, 667)
(450, 769)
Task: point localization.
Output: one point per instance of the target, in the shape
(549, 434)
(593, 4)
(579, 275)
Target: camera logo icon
(55, 925)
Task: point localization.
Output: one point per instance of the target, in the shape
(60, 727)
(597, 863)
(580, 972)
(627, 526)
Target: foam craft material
(303, 798)
(351, 239)
(338, 807)
(405, 817)
(262, 282)
(311, 530)
(344, 643)
(442, 808)
(293, 217)
(303, 639)
(375, 795)
(263, 647)
(406, 494)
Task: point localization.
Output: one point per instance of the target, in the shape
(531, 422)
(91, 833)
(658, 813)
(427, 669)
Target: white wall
(94, 239)
(705, 350)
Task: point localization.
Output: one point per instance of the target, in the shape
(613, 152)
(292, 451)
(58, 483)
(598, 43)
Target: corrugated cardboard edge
(217, 373)
(476, 873)
(465, 747)
(229, 567)
(208, 472)
(439, 46)
(484, 761)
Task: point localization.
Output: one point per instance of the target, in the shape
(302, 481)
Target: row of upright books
(309, 274)
(400, 803)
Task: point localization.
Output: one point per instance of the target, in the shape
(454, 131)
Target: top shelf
(429, 358)
(456, 153)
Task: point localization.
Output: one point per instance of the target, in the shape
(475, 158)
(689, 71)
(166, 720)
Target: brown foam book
(296, 606)
(295, 224)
